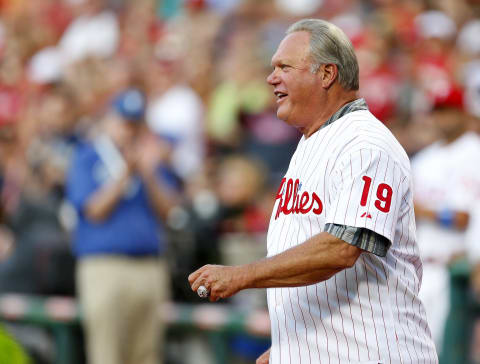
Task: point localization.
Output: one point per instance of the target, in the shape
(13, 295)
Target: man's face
(297, 89)
(121, 131)
(449, 121)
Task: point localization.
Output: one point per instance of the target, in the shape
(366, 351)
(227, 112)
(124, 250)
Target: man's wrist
(148, 175)
(124, 182)
(446, 217)
(245, 274)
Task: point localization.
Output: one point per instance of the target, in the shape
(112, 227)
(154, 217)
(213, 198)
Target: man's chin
(282, 115)
(286, 118)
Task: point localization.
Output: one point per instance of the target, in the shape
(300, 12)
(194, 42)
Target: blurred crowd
(201, 66)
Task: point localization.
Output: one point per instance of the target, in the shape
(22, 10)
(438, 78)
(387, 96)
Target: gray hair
(329, 44)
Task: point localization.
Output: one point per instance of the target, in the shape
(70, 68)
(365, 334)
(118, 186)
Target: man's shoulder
(362, 124)
(364, 121)
(363, 131)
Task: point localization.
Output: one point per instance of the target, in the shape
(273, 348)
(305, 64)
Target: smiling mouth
(280, 95)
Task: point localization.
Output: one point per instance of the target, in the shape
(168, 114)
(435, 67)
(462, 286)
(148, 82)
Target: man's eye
(282, 67)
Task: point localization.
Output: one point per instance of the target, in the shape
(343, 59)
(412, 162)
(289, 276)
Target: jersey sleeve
(365, 195)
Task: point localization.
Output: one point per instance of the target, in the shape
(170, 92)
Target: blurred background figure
(121, 191)
(175, 110)
(446, 186)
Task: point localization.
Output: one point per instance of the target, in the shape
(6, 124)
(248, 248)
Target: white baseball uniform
(472, 238)
(443, 178)
(350, 174)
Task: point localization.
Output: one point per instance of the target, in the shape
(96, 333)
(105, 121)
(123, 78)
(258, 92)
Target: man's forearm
(454, 219)
(161, 201)
(315, 260)
(297, 280)
(102, 202)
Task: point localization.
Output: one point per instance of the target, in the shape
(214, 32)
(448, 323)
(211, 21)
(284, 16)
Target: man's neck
(335, 100)
(449, 139)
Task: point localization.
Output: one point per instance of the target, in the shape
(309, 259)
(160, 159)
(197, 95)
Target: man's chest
(300, 205)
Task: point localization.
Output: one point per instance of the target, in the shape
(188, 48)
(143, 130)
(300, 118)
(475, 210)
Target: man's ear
(328, 73)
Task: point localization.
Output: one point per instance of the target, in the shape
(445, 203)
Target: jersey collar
(355, 105)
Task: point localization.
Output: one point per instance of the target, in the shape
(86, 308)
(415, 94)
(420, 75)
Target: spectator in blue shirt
(121, 194)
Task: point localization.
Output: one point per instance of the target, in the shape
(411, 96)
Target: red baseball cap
(452, 99)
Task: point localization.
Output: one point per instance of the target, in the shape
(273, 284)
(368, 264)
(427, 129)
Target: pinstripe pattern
(369, 313)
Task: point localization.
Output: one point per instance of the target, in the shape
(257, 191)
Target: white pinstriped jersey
(443, 178)
(352, 172)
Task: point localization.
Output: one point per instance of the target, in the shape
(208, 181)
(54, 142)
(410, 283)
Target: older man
(342, 270)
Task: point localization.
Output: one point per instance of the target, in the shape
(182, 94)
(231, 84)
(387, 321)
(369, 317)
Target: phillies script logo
(294, 203)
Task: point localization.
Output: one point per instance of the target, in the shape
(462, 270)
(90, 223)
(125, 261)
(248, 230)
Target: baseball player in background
(343, 269)
(447, 189)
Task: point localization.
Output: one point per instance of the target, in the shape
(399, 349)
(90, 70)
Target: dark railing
(63, 316)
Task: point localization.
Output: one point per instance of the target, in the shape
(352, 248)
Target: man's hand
(221, 281)
(150, 152)
(264, 358)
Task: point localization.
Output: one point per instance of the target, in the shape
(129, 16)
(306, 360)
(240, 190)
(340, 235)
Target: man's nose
(272, 78)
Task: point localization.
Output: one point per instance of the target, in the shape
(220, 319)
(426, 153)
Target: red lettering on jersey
(299, 204)
(318, 210)
(279, 196)
(303, 202)
(288, 197)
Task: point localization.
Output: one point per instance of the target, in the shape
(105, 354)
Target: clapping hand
(150, 152)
